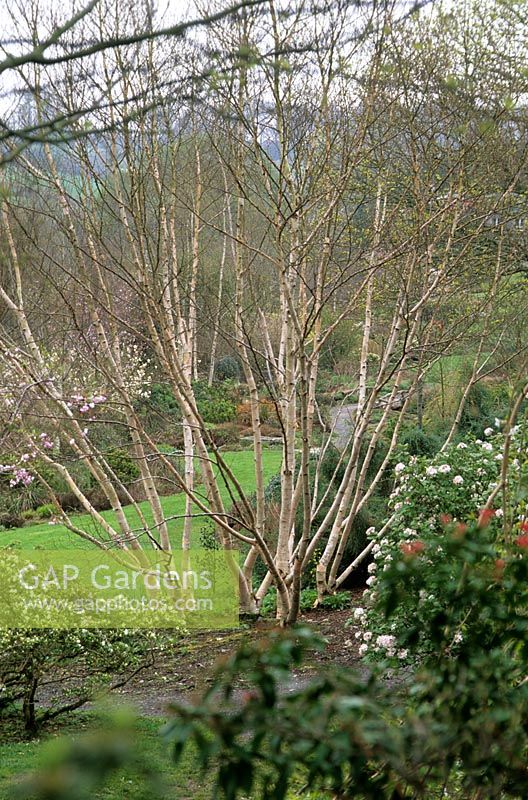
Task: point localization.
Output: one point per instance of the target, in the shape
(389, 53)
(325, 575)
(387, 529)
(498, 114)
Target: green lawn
(149, 771)
(143, 739)
(182, 782)
(56, 537)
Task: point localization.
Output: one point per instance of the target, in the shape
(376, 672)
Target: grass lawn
(183, 781)
(142, 737)
(152, 756)
(57, 537)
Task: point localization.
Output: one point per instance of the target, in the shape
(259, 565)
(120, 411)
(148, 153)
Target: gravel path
(181, 675)
(342, 419)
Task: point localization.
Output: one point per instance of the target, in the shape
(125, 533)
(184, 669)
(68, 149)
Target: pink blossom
(21, 475)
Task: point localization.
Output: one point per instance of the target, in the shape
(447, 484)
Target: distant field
(56, 537)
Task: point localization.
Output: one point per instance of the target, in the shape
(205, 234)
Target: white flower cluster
(455, 484)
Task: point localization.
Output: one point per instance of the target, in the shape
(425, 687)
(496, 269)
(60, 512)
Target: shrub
(70, 502)
(162, 400)
(207, 536)
(243, 414)
(458, 728)
(337, 601)
(484, 402)
(9, 520)
(160, 412)
(83, 662)
(21, 498)
(215, 403)
(46, 511)
(124, 467)
(418, 442)
(227, 368)
(227, 433)
(217, 410)
(429, 494)
(343, 344)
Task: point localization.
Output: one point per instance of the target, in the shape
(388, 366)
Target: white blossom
(386, 642)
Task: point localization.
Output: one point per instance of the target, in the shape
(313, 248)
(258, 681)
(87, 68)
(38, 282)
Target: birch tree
(321, 175)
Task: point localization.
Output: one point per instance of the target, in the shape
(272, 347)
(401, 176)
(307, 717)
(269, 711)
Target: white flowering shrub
(432, 495)
(45, 673)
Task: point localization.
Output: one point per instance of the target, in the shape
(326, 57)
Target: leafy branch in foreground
(457, 723)
(455, 726)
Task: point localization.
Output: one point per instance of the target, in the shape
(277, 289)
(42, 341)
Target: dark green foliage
(227, 368)
(337, 601)
(162, 399)
(11, 520)
(226, 434)
(482, 406)
(273, 488)
(418, 442)
(207, 536)
(484, 403)
(215, 403)
(342, 345)
(46, 511)
(123, 465)
(14, 501)
(330, 465)
(459, 727)
(160, 413)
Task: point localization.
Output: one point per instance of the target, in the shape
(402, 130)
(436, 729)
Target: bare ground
(185, 673)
